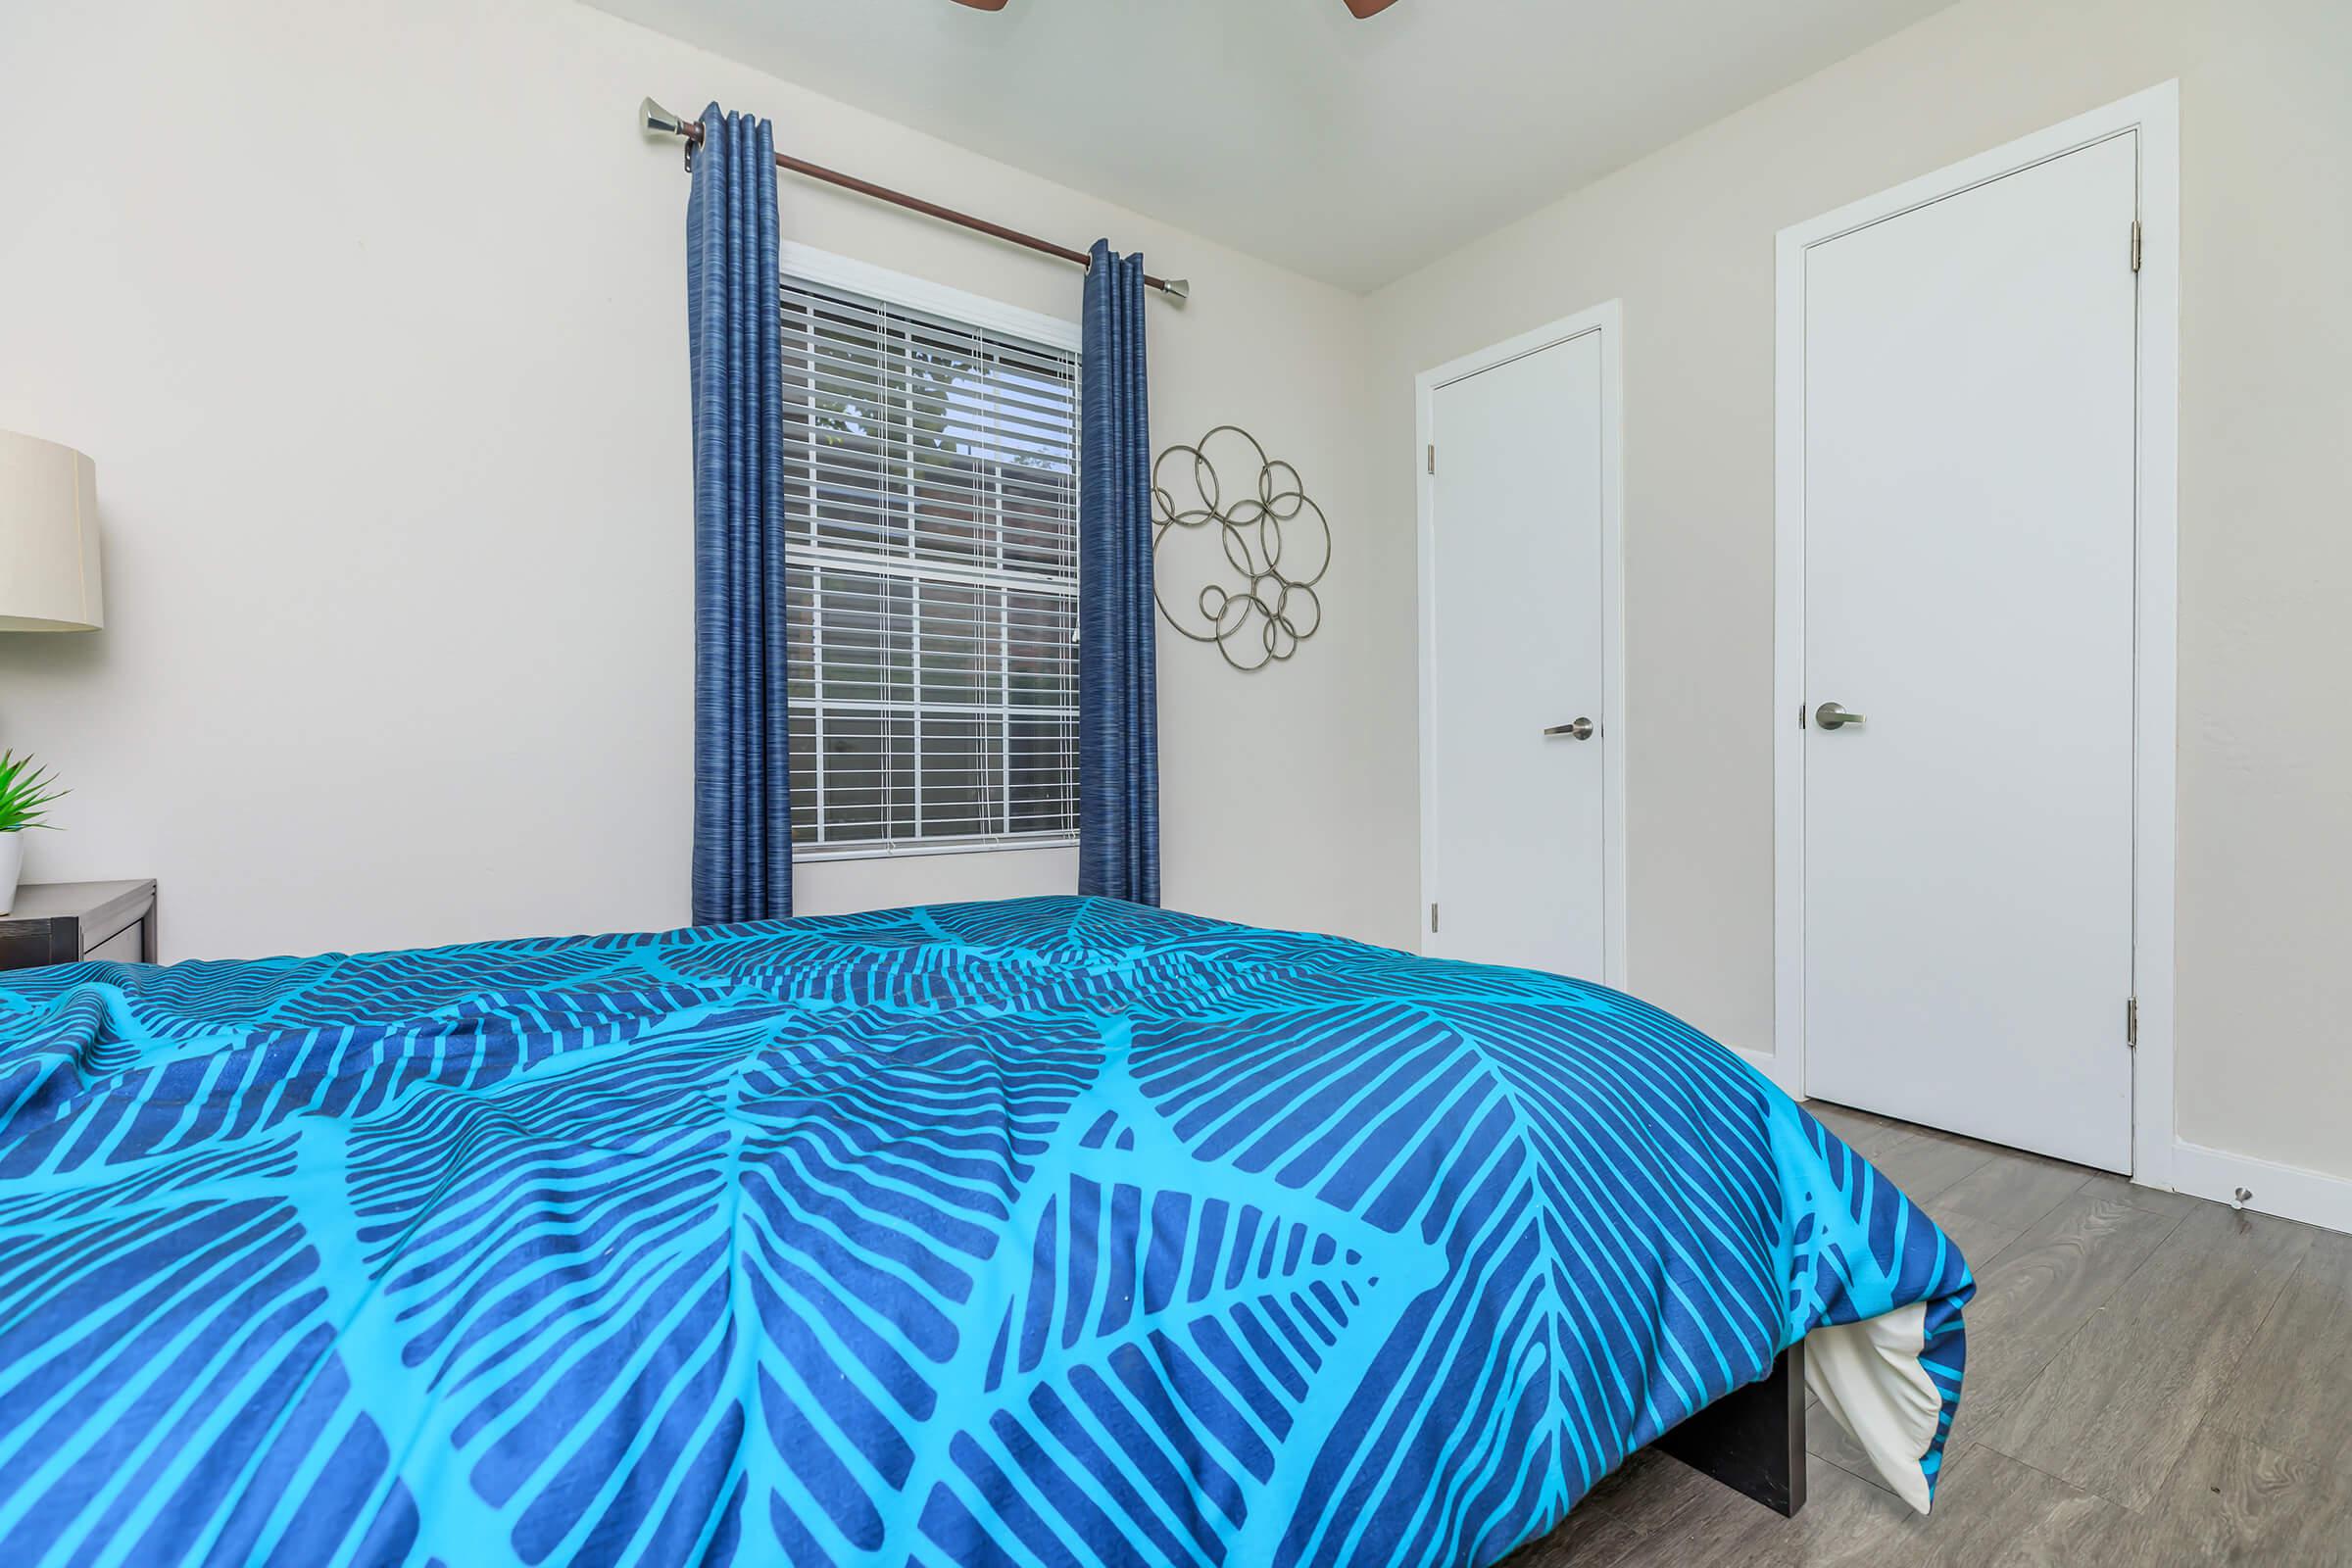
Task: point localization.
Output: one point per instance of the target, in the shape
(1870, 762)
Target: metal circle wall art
(1274, 541)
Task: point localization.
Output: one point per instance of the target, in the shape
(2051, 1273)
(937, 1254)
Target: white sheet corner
(1867, 1375)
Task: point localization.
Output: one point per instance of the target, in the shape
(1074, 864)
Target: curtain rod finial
(1181, 287)
(655, 120)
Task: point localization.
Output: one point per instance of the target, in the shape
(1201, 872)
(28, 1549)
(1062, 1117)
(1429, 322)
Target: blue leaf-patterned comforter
(1051, 1232)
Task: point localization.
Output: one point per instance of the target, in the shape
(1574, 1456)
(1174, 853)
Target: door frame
(1608, 322)
(2155, 116)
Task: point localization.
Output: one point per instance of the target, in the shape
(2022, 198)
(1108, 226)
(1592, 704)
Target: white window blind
(931, 488)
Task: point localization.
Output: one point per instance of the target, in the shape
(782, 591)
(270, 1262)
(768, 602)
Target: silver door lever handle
(1579, 728)
(1829, 716)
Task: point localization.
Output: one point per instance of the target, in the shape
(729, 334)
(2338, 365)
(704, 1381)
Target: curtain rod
(655, 120)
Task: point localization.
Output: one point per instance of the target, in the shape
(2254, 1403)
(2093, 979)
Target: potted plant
(26, 796)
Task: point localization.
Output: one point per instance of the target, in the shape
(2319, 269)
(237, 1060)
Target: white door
(1519, 577)
(1968, 524)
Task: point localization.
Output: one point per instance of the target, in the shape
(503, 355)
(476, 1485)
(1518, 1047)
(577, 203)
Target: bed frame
(1752, 1440)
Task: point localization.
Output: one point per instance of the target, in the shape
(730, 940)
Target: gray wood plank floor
(2152, 1380)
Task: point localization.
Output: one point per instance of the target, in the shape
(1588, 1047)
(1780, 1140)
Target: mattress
(1046, 1232)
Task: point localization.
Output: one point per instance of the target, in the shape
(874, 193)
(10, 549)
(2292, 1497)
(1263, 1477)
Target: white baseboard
(2286, 1191)
(1765, 1062)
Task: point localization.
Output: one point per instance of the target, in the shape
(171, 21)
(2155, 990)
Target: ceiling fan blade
(1358, 9)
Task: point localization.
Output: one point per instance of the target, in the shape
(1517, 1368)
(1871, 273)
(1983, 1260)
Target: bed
(1058, 1231)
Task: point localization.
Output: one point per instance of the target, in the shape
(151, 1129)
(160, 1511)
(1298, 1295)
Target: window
(931, 487)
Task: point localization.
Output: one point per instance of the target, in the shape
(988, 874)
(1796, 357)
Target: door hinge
(2135, 244)
(1433, 456)
(1433, 917)
(2131, 1022)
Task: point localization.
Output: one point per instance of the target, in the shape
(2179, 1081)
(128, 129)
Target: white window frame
(922, 294)
(830, 270)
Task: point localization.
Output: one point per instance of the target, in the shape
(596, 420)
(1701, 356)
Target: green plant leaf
(26, 792)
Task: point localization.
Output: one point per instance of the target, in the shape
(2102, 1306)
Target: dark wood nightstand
(63, 922)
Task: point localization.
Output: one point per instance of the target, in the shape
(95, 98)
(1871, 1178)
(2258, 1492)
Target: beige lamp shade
(48, 538)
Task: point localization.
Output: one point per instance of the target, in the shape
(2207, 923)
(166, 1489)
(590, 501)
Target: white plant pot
(12, 866)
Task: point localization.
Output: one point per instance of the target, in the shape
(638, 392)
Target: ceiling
(1350, 151)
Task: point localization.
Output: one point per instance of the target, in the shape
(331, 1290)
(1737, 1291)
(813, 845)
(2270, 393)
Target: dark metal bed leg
(1752, 1440)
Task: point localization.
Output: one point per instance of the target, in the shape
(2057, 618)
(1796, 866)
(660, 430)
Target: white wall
(374, 318)
(1684, 238)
